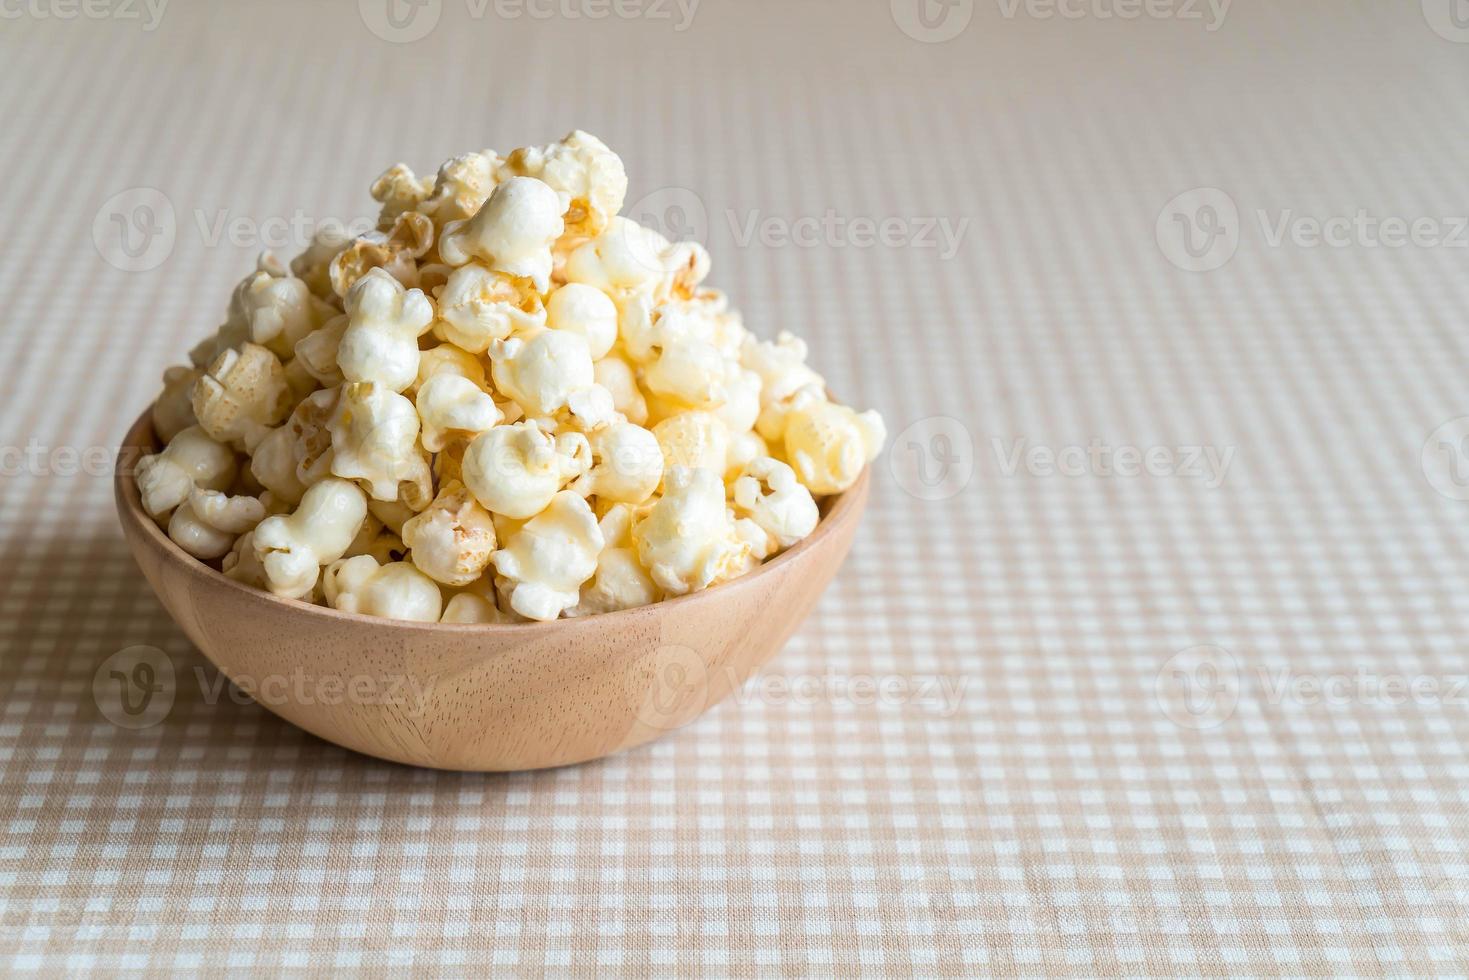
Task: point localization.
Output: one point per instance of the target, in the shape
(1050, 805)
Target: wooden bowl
(487, 697)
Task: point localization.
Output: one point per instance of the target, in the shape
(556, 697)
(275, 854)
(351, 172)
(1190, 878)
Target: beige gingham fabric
(1150, 658)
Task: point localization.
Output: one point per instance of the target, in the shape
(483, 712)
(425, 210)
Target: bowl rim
(844, 506)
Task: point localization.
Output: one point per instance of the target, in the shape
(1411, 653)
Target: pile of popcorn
(506, 403)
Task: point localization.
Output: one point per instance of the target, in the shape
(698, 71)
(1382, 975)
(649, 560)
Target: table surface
(1149, 658)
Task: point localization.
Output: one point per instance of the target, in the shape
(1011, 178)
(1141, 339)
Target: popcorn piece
(395, 252)
(279, 311)
(448, 358)
(380, 343)
(624, 258)
(478, 306)
(453, 539)
(620, 581)
(274, 465)
(190, 460)
(461, 188)
(375, 440)
(242, 396)
(173, 410)
(584, 310)
(469, 607)
(549, 558)
(768, 493)
(242, 564)
(392, 513)
(541, 373)
(512, 233)
(399, 189)
(828, 444)
(781, 365)
(587, 177)
(314, 265)
(627, 464)
(687, 541)
(311, 439)
(685, 370)
(693, 439)
(515, 470)
(316, 352)
(393, 591)
(744, 448)
(207, 524)
(292, 548)
(616, 375)
(449, 404)
(741, 407)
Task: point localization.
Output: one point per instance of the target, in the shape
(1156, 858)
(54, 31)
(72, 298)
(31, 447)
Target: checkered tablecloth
(1150, 658)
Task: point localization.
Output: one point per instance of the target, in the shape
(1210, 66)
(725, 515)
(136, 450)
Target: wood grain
(489, 697)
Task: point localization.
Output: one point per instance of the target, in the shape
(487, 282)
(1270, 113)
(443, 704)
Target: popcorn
(587, 311)
(469, 607)
(449, 404)
(507, 403)
(395, 252)
(548, 559)
(380, 343)
(280, 310)
(627, 464)
(313, 266)
(513, 232)
(173, 410)
(687, 541)
(616, 375)
(393, 591)
(292, 548)
(694, 439)
(190, 460)
(767, 492)
(311, 439)
(541, 373)
(317, 352)
(620, 582)
(587, 177)
(478, 306)
(375, 440)
(453, 539)
(515, 470)
(448, 358)
(274, 465)
(398, 190)
(828, 444)
(461, 188)
(207, 524)
(243, 394)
